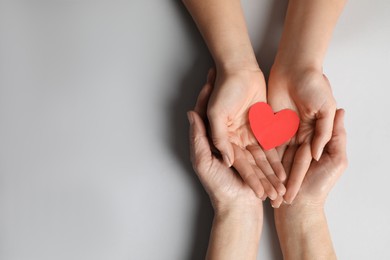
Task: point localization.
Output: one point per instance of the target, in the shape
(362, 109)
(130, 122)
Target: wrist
(236, 232)
(237, 63)
(303, 232)
(290, 69)
(240, 212)
(248, 220)
(294, 76)
(298, 214)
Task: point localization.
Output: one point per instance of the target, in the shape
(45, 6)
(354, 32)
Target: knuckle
(302, 160)
(260, 157)
(277, 166)
(249, 177)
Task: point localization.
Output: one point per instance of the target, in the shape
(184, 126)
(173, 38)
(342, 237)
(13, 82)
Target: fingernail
(227, 160)
(318, 157)
(190, 118)
(286, 202)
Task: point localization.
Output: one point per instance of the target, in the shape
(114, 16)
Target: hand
(309, 93)
(234, 92)
(225, 188)
(237, 208)
(302, 227)
(323, 174)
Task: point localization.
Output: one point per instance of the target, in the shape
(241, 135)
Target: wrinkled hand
(227, 111)
(224, 186)
(323, 174)
(309, 94)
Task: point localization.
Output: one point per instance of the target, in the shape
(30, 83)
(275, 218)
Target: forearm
(235, 234)
(303, 234)
(223, 27)
(308, 28)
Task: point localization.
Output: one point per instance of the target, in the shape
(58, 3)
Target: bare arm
(303, 233)
(297, 80)
(223, 27)
(308, 29)
(239, 83)
(235, 234)
(302, 227)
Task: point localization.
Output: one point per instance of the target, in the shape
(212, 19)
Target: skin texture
(238, 215)
(302, 227)
(297, 82)
(239, 83)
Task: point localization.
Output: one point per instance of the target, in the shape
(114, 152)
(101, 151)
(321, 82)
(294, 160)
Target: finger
(276, 163)
(266, 168)
(219, 135)
(299, 169)
(199, 144)
(281, 149)
(204, 94)
(323, 131)
(277, 202)
(338, 128)
(246, 172)
(269, 189)
(337, 145)
(218, 126)
(211, 75)
(203, 99)
(288, 158)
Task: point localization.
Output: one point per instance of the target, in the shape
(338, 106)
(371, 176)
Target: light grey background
(93, 132)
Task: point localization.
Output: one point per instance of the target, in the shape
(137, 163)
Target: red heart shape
(272, 129)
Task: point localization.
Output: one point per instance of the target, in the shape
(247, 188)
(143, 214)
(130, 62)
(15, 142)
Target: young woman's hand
(223, 184)
(309, 94)
(234, 92)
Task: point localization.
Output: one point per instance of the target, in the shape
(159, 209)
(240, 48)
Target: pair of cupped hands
(227, 157)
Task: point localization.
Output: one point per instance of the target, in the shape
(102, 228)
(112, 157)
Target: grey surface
(93, 132)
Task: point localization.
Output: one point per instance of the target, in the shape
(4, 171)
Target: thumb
(219, 135)
(323, 132)
(337, 145)
(199, 145)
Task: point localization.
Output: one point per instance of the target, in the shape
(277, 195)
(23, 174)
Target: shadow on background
(188, 89)
(187, 92)
(269, 41)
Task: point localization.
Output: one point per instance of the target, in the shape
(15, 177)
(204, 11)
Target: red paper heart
(272, 129)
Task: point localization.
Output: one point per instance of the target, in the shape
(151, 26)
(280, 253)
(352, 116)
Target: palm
(223, 181)
(239, 92)
(228, 107)
(227, 111)
(310, 95)
(307, 96)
